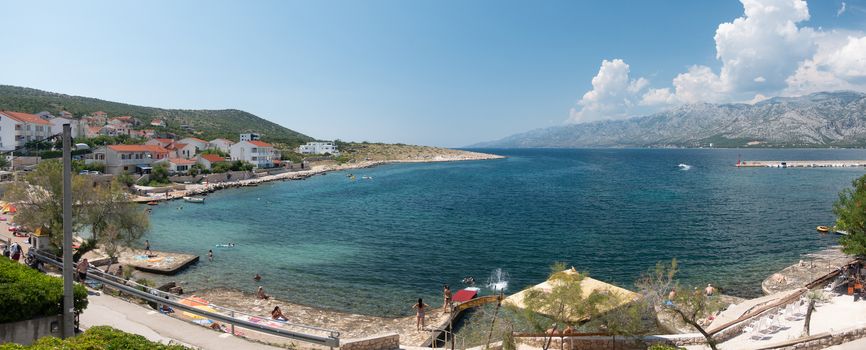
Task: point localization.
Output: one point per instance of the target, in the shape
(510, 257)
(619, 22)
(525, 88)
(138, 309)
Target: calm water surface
(373, 246)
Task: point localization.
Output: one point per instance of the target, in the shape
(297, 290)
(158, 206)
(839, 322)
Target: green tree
(850, 210)
(687, 305)
(115, 220)
(159, 175)
(105, 208)
(40, 199)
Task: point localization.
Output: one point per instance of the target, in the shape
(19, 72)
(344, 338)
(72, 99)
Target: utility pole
(68, 297)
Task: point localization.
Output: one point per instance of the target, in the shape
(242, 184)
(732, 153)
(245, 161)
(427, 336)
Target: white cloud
(841, 9)
(614, 93)
(765, 52)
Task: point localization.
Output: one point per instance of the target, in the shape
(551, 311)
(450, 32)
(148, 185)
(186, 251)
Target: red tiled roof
(176, 145)
(25, 117)
(138, 148)
(99, 113)
(213, 158)
(196, 139)
(260, 143)
(181, 161)
(124, 118)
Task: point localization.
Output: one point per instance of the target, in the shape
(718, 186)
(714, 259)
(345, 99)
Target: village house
(221, 144)
(144, 133)
(125, 119)
(77, 128)
(92, 131)
(260, 154)
(250, 136)
(199, 144)
(161, 142)
(116, 129)
(182, 150)
(97, 118)
(16, 129)
(177, 165)
(208, 161)
(319, 147)
(157, 123)
(120, 159)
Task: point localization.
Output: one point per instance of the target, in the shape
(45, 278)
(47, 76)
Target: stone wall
(26, 332)
(390, 341)
(821, 341)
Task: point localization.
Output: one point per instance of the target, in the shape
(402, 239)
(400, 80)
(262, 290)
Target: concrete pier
(164, 263)
(801, 164)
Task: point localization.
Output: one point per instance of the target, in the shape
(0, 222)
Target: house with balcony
(127, 159)
(250, 136)
(17, 128)
(319, 147)
(259, 153)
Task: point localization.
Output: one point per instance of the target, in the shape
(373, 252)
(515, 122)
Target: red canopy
(464, 295)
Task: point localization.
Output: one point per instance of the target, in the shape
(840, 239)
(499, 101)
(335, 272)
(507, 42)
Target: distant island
(819, 120)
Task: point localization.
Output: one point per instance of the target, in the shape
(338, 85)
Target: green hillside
(206, 124)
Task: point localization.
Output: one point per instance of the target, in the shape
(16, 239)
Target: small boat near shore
(194, 199)
(823, 229)
(152, 203)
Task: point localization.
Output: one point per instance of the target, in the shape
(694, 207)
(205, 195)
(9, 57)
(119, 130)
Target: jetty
(801, 164)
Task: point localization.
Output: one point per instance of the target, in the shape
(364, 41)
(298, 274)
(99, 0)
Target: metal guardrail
(332, 339)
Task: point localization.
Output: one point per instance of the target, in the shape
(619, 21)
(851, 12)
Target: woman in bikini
(419, 313)
(277, 314)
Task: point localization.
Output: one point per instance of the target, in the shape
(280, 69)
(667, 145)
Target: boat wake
(684, 166)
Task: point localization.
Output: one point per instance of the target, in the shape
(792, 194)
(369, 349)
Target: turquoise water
(374, 246)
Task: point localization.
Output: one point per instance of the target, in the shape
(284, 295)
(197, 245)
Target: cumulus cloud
(765, 52)
(841, 9)
(614, 93)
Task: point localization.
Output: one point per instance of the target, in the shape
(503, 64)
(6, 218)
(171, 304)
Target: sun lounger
(756, 330)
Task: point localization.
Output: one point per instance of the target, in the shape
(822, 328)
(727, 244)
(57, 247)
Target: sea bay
(373, 246)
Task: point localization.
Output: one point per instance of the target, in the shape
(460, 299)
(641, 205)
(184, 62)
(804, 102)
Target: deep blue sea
(373, 246)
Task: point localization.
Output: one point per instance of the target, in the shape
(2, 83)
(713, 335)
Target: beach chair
(774, 324)
(756, 330)
(792, 312)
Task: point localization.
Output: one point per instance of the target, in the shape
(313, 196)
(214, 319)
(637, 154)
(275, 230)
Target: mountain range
(825, 119)
(209, 124)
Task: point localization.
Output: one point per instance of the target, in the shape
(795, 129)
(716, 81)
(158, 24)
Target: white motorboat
(194, 199)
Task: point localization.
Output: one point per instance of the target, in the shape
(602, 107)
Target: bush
(99, 337)
(663, 347)
(26, 293)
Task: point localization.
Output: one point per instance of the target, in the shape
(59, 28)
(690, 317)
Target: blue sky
(446, 73)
